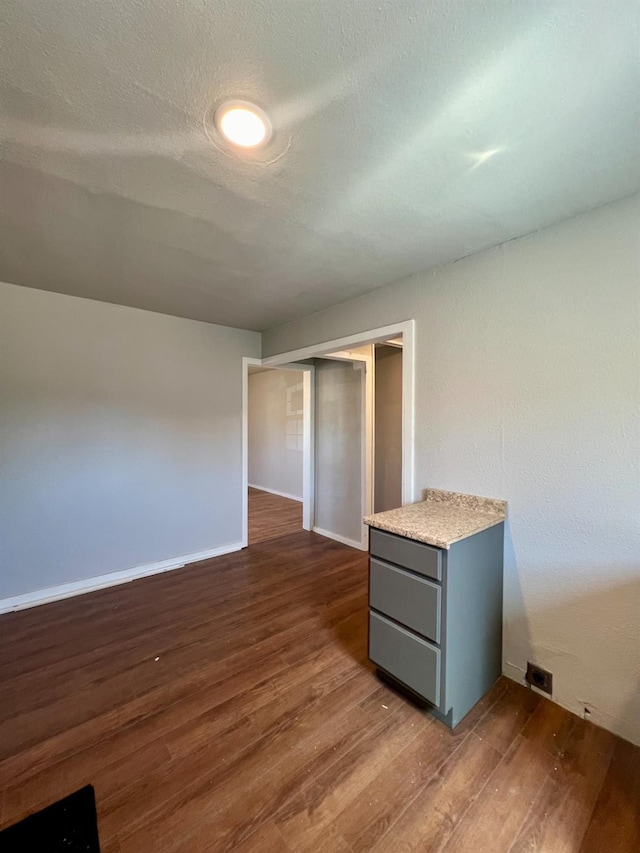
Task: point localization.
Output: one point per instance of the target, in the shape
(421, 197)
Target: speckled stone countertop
(442, 518)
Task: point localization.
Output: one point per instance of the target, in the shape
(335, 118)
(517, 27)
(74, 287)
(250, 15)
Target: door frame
(405, 328)
(308, 440)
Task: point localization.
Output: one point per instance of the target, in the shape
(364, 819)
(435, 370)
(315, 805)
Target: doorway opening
(276, 450)
(340, 467)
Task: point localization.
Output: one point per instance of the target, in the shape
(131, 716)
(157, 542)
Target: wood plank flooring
(230, 706)
(271, 516)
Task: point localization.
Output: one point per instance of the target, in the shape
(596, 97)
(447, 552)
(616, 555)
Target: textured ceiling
(408, 133)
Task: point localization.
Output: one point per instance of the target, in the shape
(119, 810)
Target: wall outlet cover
(540, 678)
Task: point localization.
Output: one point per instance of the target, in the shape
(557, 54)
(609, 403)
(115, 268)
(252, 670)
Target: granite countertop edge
(428, 539)
(442, 519)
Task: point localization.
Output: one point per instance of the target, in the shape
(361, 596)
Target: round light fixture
(243, 124)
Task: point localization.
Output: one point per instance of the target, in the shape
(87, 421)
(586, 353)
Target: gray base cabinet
(435, 617)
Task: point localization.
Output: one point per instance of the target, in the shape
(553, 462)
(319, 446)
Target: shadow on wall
(590, 642)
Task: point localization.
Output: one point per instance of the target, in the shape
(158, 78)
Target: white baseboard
(67, 590)
(353, 543)
(276, 492)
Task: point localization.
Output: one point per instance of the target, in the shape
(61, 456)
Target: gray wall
(338, 463)
(120, 437)
(388, 429)
(528, 388)
(275, 431)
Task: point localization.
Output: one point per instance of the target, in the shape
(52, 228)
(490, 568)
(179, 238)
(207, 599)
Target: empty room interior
(320, 426)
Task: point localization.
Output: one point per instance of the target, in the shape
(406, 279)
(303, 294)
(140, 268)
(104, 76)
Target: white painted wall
(275, 431)
(528, 388)
(339, 447)
(388, 428)
(120, 438)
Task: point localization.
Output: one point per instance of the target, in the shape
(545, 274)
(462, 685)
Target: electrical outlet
(540, 678)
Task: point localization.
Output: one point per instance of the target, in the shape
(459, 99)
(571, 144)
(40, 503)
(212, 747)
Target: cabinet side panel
(474, 585)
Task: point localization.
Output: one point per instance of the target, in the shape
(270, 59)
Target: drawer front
(407, 598)
(410, 659)
(405, 552)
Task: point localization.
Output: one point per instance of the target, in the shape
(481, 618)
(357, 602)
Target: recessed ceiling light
(243, 124)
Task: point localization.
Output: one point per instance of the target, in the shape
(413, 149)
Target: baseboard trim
(68, 590)
(342, 539)
(276, 492)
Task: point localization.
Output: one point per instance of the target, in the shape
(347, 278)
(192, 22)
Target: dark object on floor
(68, 826)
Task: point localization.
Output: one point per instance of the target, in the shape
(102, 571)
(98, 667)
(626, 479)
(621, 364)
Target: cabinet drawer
(405, 552)
(407, 598)
(410, 659)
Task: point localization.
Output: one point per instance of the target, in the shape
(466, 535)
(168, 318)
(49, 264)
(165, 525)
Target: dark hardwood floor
(229, 706)
(271, 516)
